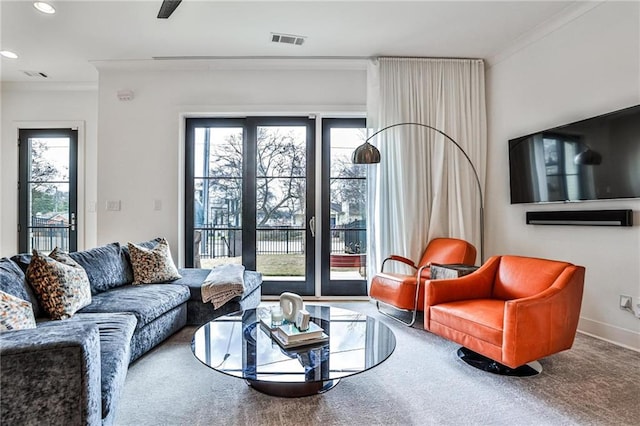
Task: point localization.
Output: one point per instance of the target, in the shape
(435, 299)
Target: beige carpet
(422, 383)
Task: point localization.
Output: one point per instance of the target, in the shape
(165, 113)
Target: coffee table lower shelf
(292, 390)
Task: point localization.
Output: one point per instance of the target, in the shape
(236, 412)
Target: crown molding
(234, 63)
(561, 19)
(24, 86)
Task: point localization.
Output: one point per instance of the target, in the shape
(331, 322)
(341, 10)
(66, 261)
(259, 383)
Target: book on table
(289, 333)
(299, 343)
(280, 333)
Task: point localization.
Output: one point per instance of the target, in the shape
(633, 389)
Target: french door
(250, 198)
(47, 189)
(344, 207)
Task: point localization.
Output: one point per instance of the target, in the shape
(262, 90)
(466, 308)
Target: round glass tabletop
(240, 346)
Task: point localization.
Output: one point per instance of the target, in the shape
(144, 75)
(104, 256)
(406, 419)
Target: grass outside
(278, 265)
(282, 265)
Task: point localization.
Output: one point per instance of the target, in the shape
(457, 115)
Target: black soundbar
(582, 217)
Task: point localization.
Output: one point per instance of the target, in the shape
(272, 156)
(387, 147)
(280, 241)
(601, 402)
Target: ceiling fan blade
(167, 8)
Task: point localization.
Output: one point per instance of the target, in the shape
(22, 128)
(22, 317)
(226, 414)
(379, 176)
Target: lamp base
(483, 363)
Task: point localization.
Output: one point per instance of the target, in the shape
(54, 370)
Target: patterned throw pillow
(62, 286)
(15, 313)
(152, 265)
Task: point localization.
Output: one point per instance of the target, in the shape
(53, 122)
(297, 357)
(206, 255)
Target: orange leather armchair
(406, 292)
(513, 309)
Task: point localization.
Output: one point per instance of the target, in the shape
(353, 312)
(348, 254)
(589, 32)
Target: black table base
(292, 390)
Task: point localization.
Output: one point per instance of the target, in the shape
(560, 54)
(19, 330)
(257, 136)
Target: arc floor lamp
(369, 154)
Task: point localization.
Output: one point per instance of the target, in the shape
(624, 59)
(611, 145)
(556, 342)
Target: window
(47, 196)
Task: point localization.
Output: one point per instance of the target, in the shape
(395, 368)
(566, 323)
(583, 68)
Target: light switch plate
(113, 205)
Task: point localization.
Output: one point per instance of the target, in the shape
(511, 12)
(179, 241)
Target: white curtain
(424, 187)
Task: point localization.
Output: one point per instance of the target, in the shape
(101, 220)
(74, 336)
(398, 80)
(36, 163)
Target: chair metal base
(413, 316)
(483, 363)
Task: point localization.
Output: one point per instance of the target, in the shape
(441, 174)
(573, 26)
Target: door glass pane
(281, 202)
(348, 208)
(218, 196)
(48, 189)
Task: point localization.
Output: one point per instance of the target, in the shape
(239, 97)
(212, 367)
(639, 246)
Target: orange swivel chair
(406, 292)
(510, 312)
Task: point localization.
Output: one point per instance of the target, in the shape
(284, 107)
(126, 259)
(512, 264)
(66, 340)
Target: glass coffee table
(239, 346)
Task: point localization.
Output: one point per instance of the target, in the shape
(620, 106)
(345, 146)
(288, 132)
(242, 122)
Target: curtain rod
(363, 58)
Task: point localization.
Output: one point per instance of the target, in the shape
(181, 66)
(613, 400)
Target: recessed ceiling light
(8, 54)
(44, 7)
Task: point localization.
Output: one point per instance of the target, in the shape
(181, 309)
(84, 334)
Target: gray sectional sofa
(72, 371)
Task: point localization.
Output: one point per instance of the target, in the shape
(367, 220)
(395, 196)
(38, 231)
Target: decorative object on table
(290, 333)
(291, 304)
(300, 343)
(451, 270)
(369, 154)
(264, 315)
(277, 316)
(289, 336)
(302, 320)
(223, 283)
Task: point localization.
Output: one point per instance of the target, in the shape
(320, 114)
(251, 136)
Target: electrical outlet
(626, 303)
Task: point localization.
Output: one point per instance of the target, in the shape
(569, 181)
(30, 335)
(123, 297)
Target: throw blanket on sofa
(223, 284)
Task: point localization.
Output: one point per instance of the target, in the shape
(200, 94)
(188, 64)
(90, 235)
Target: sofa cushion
(152, 265)
(116, 330)
(22, 260)
(194, 277)
(13, 281)
(61, 287)
(106, 266)
(146, 302)
(15, 313)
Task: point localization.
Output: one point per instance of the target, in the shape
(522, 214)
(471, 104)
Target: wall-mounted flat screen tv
(593, 159)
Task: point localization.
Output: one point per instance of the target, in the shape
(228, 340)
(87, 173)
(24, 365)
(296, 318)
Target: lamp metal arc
(466, 156)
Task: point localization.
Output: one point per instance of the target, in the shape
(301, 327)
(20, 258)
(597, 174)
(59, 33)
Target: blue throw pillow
(106, 267)
(22, 260)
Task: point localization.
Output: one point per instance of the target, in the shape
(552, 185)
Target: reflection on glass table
(239, 346)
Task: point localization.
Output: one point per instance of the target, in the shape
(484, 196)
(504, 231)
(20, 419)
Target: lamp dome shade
(588, 157)
(365, 154)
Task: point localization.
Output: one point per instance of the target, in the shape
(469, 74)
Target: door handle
(312, 226)
(72, 222)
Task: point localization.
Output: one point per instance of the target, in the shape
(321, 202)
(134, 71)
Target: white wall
(584, 68)
(587, 67)
(44, 105)
(140, 141)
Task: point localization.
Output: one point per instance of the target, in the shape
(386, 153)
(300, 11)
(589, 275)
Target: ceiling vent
(287, 39)
(35, 74)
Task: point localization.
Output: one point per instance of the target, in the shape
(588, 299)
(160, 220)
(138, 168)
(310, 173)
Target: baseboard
(618, 336)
